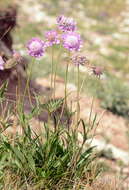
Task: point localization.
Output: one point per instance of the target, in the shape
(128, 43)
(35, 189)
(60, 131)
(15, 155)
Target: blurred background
(104, 27)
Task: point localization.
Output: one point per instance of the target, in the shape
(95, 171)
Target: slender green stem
(56, 67)
(52, 66)
(66, 78)
(18, 91)
(66, 81)
(55, 79)
(82, 84)
(78, 90)
(27, 83)
(91, 110)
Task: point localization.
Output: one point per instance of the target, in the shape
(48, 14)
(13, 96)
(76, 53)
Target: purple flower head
(36, 47)
(97, 71)
(2, 62)
(79, 60)
(52, 38)
(72, 41)
(66, 24)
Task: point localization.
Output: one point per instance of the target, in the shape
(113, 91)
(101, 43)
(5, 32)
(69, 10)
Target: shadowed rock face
(12, 75)
(7, 23)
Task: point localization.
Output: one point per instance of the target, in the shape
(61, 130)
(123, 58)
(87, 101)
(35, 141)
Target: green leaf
(52, 105)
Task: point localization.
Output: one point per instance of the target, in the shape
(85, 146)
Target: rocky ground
(111, 131)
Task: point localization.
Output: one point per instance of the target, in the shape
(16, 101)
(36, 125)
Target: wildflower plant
(53, 159)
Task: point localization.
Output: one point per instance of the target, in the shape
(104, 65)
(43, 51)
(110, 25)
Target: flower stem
(56, 68)
(52, 67)
(78, 89)
(66, 81)
(91, 110)
(27, 84)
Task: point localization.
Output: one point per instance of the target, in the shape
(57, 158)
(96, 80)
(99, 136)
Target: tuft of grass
(51, 160)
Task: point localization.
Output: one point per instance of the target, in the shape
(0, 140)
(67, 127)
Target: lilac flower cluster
(66, 24)
(72, 41)
(79, 60)
(97, 71)
(36, 47)
(52, 38)
(64, 34)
